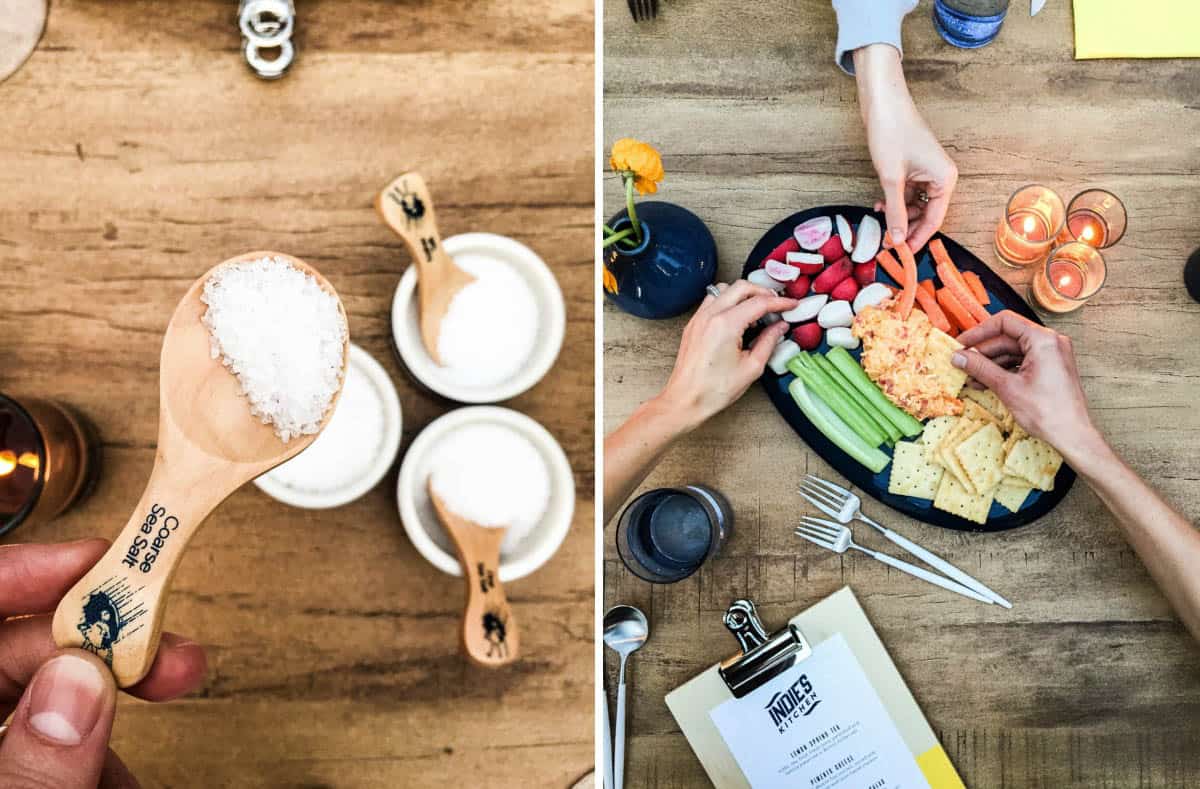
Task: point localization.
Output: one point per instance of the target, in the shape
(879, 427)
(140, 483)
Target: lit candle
(45, 465)
(1096, 217)
(1032, 219)
(1073, 274)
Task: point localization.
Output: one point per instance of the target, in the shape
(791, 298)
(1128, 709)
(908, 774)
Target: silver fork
(844, 506)
(837, 538)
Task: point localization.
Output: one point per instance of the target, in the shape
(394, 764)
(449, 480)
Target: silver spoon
(625, 630)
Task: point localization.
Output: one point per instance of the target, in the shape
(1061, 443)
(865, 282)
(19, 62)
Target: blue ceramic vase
(969, 24)
(666, 275)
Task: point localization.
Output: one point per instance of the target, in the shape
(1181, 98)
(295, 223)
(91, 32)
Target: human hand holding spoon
(407, 208)
(209, 445)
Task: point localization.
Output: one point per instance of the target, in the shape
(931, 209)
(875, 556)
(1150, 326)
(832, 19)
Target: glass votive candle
(47, 461)
(1032, 220)
(1096, 217)
(1072, 275)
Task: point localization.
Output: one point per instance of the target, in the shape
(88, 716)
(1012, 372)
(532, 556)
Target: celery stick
(833, 428)
(881, 421)
(852, 398)
(842, 360)
(824, 388)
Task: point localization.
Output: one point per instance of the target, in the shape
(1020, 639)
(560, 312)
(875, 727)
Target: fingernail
(67, 696)
(897, 235)
(959, 359)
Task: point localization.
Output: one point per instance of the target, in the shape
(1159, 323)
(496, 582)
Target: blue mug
(969, 24)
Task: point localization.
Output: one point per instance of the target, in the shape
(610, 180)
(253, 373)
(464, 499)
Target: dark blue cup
(665, 535)
(969, 24)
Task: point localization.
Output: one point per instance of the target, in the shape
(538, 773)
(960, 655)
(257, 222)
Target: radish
(807, 262)
(832, 250)
(798, 288)
(845, 290)
(780, 252)
(763, 279)
(835, 313)
(871, 296)
(782, 354)
(841, 337)
(781, 272)
(813, 233)
(807, 336)
(845, 233)
(806, 310)
(869, 236)
(832, 275)
(864, 273)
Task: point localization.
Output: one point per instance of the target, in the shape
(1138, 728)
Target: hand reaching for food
(1031, 368)
(917, 175)
(712, 369)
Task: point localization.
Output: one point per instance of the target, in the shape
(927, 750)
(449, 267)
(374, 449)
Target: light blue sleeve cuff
(863, 22)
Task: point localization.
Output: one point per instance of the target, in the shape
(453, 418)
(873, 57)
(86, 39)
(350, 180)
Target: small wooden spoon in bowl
(209, 445)
(407, 208)
(489, 632)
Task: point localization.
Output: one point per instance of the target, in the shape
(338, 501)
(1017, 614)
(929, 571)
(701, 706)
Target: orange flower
(640, 159)
(610, 281)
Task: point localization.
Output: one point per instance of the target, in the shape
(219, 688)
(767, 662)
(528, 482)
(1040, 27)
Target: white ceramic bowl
(427, 533)
(552, 311)
(379, 379)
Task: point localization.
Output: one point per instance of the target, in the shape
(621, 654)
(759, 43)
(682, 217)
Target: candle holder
(1073, 274)
(1096, 217)
(1032, 220)
(48, 461)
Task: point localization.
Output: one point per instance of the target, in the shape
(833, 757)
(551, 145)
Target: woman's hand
(1032, 370)
(916, 174)
(712, 370)
(64, 700)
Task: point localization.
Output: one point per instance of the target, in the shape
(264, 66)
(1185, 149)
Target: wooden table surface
(136, 151)
(1089, 681)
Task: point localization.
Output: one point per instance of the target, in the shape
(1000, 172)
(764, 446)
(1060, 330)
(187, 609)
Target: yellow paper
(1143, 29)
(938, 770)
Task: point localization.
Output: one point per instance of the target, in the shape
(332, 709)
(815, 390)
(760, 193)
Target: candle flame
(1088, 232)
(1029, 225)
(1063, 281)
(9, 461)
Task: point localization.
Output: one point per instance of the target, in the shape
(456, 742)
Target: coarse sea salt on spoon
(209, 445)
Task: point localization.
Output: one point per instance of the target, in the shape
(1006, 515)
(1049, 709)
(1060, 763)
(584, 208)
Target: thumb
(982, 369)
(764, 345)
(895, 211)
(59, 732)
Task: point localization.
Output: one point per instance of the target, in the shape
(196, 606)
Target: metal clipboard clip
(763, 657)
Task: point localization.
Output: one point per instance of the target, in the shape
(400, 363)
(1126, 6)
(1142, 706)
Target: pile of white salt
(491, 326)
(282, 335)
(492, 475)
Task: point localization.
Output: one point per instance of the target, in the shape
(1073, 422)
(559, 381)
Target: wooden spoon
(407, 208)
(209, 445)
(489, 633)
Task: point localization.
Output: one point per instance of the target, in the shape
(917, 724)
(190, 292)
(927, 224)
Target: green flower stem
(615, 237)
(633, 218)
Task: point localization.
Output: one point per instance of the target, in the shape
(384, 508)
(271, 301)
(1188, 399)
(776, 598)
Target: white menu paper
(818, 725)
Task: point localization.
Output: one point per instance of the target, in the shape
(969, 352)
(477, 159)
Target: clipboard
(764, 656)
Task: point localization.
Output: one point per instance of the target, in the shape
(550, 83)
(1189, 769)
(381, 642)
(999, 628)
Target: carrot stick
(976, 285)
(908, 292)
(927, 286)
(955, 310)
(928, 303)
(889, 264)
(953, 280)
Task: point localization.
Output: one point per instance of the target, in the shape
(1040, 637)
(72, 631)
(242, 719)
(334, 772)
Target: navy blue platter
(876, 485)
